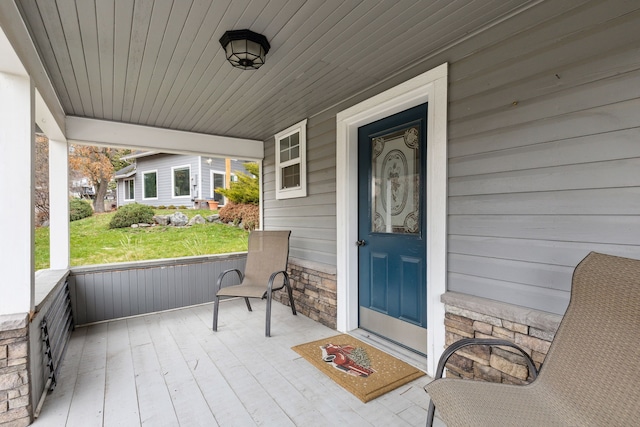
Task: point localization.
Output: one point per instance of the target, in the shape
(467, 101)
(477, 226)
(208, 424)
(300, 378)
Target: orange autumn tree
(98, 164)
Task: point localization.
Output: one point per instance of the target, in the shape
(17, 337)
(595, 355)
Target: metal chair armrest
(221, 276)
(449, 351)
(272, 278)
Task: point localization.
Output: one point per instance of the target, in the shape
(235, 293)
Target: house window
(150, 185)
(129, 193)
(291, 164)
(217, 181)
(181, 176)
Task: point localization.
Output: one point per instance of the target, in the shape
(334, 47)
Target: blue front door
(391, 228)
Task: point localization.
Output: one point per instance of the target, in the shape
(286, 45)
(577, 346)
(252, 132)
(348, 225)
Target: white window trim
(301, 191)
(211, 187)
(173, 185)
(157, 189)
(126, 184)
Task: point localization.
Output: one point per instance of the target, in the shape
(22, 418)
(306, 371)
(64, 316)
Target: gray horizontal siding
(119, 290)
(311, 219)
(544, 154)
(162, 164)
(217, 165)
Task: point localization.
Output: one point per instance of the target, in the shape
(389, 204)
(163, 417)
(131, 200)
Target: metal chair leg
(216, 303)
(267, 331)
(290, 292)
(431, 413)
(246, 300)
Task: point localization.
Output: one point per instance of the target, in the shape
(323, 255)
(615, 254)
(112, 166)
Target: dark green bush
(79, 209)
(133, 213)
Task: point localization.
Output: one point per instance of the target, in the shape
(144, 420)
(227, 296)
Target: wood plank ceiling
(159, 63)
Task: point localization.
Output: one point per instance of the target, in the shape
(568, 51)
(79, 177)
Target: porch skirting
(15, 400)
(314, 290)
(468, 316)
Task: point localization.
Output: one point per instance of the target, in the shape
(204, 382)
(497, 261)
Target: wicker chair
(591, 374)
(266, 260)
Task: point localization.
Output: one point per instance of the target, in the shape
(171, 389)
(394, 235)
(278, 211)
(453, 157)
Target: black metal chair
(267, 259)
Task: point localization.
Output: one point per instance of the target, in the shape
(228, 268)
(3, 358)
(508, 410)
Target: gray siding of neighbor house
(218, 166)
(544, 153)
(162, 164)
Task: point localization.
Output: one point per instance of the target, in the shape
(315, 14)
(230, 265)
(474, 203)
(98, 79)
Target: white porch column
(17, 174)
(59, 205)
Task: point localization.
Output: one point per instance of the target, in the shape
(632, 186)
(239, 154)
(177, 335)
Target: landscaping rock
(179, 219)
(213, 218)
(162, 219)
(198, 219)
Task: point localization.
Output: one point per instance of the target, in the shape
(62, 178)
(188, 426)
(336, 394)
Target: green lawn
(93, 243)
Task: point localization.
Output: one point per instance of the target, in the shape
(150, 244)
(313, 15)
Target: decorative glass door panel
(395, 180)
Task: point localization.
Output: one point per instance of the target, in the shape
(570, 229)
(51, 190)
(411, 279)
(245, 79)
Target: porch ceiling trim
(105, 133)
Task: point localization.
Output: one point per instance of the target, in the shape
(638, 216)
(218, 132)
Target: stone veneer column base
(314, 291)
(15, 402)
(467, 316)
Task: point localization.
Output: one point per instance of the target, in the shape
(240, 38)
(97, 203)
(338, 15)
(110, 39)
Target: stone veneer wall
(314, 291)
(15, 402)
(467, 316)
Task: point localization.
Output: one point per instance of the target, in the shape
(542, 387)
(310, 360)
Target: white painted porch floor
(170, 369)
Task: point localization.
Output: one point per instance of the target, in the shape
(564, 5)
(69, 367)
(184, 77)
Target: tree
(98, 164)
(246, 189)
(42, 179)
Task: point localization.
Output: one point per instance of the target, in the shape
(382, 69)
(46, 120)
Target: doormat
(359, 368)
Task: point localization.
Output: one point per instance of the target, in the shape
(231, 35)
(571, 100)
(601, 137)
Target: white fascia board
(140, 154)
(116, 134)
(46, 121)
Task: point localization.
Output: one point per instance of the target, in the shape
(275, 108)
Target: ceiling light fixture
(245, 49)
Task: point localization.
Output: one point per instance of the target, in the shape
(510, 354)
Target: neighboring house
(161, 179)
(82, 189)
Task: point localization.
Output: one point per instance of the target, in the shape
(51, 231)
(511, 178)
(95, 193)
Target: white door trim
(428, 87)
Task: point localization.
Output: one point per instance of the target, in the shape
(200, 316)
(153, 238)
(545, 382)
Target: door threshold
(412, 358)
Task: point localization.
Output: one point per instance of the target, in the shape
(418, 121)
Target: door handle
(361, 243)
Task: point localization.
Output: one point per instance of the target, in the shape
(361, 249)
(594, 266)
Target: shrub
(79, 209)
(182, 207)
(162, 207)
(236, 213)
(246, 189)
(171, 207)
(134, 213)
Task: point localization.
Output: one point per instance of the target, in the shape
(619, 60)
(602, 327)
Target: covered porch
(532, 153)
(168, 369)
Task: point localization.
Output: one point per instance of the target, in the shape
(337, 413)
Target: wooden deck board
(170, 369)
(121, 397)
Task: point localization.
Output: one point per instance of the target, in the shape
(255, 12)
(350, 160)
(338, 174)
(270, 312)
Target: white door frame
(428, 87)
